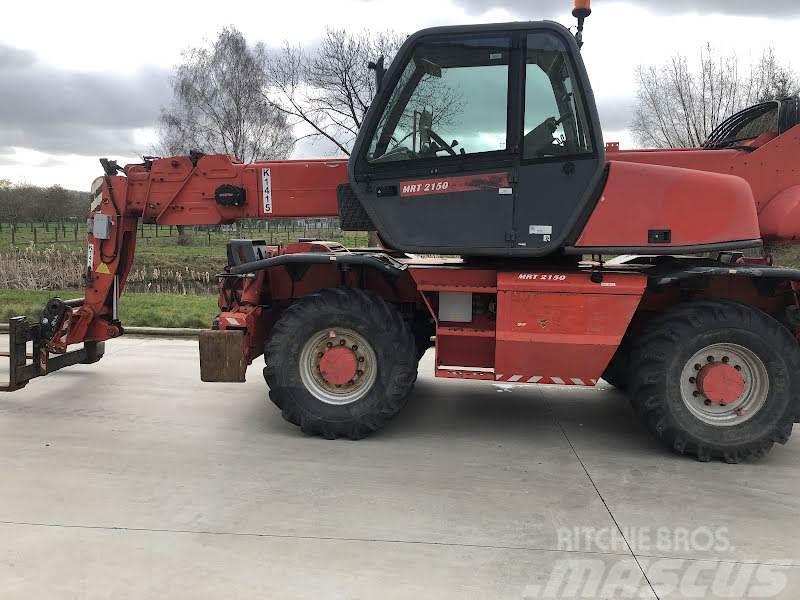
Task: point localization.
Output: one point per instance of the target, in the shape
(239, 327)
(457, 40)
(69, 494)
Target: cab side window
(555, 114)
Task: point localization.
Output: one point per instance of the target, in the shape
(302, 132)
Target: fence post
(13, 234)
(75, 234)
(34, 236)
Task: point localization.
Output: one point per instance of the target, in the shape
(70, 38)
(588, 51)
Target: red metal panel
(780, 219)
(770, 170)
(176, 192)
(698, 208)
(464, 352)
(455, 278)
(304, 188)
(561, 324)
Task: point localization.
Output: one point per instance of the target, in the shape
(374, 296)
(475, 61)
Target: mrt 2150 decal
(266, 186)
(542, 277)
(449, 185)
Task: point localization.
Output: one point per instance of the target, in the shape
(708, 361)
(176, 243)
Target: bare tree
(56, 200)
(330, 87)
(219, 105)
(678, 106)
(12, 202)
(772, 80)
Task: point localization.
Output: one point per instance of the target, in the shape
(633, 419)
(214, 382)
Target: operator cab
(756, 125)
(483, 140)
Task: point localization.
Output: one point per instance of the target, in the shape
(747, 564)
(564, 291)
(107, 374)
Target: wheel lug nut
(359, 372)
(320, 355)
(692, 380)
(707, 402)
(726, 359)
(329, 344)
(354, 347)
(738, 368)
(342, 342)
(360, 359)
(710, 359)
(695, 393)
(697, 367)
(351, 382)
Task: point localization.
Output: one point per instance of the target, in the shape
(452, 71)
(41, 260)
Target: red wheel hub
(338, 365)
(720, 382)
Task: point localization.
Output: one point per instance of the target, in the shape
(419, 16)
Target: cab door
(562, 160)
(434, 164)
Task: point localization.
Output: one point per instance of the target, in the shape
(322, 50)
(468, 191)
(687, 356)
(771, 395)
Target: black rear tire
(616, 373)
(660, 355)
(378, 323)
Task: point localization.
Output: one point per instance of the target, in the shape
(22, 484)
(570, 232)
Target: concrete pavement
(132, 479)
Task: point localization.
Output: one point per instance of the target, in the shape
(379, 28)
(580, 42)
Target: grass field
(172, 283)
(51, 256)
(149, 310)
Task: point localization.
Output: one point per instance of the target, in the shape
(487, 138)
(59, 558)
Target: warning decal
(449, 185)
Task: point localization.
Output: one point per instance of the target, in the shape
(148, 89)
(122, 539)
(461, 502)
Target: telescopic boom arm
(183, 190)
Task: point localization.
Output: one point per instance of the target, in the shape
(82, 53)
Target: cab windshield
(451, 99)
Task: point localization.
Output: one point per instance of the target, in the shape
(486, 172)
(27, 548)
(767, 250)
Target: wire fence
(272, 231)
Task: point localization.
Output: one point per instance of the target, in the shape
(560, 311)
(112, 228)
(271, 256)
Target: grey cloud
(550, 8)
(615, 112)
(14, 57)
(7, 159)
(58, 111)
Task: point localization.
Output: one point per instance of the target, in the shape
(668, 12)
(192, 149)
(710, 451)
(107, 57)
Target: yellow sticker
(103, 268)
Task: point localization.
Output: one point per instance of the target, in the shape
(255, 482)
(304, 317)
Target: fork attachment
(25, 365)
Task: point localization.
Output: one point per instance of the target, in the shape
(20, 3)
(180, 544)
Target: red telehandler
(483, 150)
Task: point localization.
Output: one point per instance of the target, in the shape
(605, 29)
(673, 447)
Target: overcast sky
(79, 80)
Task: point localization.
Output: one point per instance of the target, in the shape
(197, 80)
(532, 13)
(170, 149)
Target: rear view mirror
(430, 67)
(380, 70)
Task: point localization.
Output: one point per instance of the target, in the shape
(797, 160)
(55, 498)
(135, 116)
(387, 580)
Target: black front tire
(377, 322)
(658, 359)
